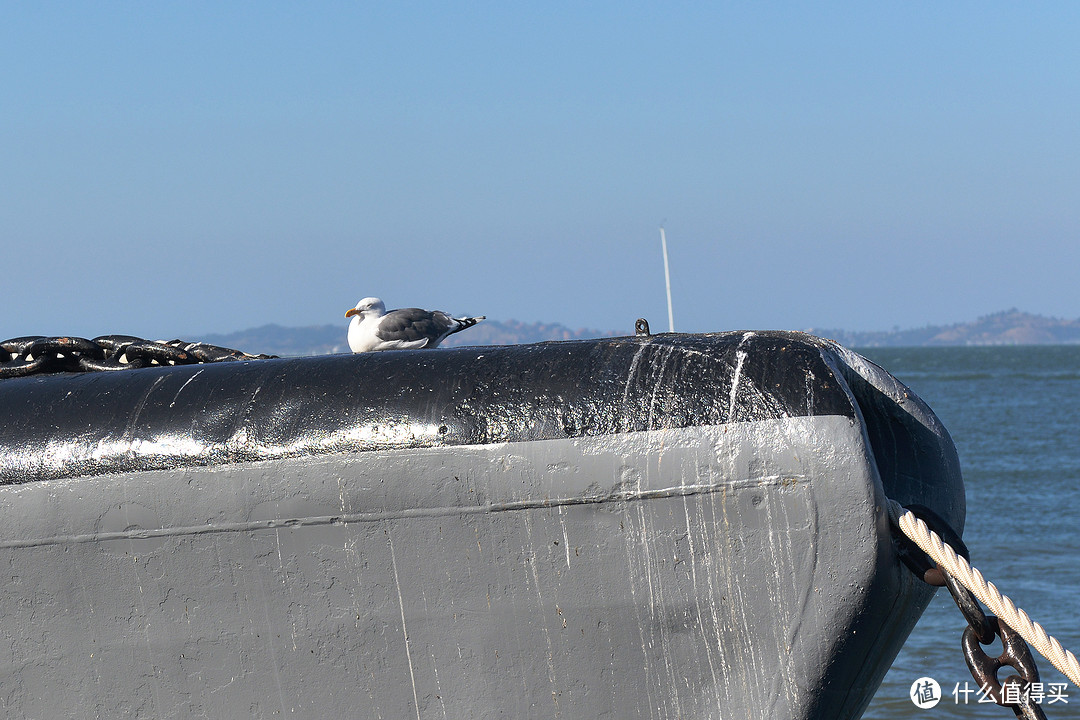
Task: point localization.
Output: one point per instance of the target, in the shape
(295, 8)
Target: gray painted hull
(725, 570)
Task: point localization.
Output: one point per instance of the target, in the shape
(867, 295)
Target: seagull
(372, 328)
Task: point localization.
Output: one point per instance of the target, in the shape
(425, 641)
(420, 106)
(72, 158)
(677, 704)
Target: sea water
(1014, 414)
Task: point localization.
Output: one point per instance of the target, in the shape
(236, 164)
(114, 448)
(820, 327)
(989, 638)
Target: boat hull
(727, 569)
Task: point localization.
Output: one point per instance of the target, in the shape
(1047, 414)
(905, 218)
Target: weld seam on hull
(371, 517)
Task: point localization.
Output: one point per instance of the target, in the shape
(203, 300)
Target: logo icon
(925, 692)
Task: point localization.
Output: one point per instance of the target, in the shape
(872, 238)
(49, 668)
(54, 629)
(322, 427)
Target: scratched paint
(183, 416)
(701, 570)
(683, 598)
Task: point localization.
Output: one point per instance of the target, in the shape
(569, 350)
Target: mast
(667, 281)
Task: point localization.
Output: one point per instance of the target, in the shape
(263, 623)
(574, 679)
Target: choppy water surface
(1014, 414)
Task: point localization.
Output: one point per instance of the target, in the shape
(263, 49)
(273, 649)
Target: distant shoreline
(1010, 327)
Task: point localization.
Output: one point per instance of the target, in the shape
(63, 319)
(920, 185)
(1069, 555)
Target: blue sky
(171, 169)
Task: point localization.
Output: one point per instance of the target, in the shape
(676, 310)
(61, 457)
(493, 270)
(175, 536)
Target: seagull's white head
(368, 307)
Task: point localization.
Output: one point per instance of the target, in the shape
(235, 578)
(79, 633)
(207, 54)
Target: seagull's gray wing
(411, 324)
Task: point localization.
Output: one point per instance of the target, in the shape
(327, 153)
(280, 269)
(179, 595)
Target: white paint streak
(565, 539)
(184, 386)
(438, 685)
(693, 578)
(532, 559)
(632, 372)
(740, 357)
(404, 630)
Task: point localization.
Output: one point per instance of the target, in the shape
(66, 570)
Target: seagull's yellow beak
(351, 311)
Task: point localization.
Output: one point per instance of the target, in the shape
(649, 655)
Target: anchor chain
(36, 354)
(1015, 692)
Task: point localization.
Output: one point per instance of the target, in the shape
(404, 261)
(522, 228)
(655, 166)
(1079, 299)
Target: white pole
(667, 281)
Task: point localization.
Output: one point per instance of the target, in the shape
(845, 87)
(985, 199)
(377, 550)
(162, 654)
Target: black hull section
(161, 418)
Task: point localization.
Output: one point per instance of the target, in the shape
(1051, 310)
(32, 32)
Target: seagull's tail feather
(467, 322)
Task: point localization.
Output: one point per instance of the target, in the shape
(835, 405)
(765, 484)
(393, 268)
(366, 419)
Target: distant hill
(1011, 327)
(328, 339)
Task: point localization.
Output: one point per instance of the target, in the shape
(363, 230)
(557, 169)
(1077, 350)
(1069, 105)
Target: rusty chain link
(35, 354)
(1016, 692)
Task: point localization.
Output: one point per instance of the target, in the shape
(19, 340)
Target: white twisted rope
(972, 579)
